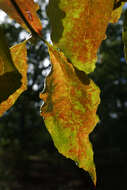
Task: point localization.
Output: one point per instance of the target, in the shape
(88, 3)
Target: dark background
(28, 158)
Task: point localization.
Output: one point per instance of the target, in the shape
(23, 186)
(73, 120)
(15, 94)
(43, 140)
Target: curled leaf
(71, 101)
(78, 27)
(28, 8)
(19, 57)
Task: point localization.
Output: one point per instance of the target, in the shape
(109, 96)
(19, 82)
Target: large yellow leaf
(10, 78)
(78, 27)
(71, 100)
(28, 8)
(19, 56)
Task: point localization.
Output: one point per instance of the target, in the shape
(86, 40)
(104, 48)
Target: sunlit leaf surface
(116, 13)
(19, 56)
(78, 27)
(28, 8)
(71, 100)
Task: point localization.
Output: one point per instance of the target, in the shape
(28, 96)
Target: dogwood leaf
(28, 8)
(10, 78)
(71, 101)
(78, 27)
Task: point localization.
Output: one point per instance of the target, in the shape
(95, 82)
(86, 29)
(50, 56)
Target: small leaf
(71, 100)
(10, 78)
(19, 57)
(78, 27)
(28, 8)
(116, 13)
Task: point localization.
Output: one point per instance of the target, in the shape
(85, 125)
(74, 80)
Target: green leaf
(71, 101)
(124, 34)
(78, 28)
(10, 78)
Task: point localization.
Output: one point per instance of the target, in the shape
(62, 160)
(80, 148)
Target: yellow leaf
(28, 8)
(19, 56)
(10, 78)
(6, 63)
(71, 101)
(116, 13)
(78, 27)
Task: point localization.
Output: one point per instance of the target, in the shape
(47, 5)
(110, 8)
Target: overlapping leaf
(19, 56)
(6, 63)
(28, 8)
(10, 78)
(71, 100)
(78, 27)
